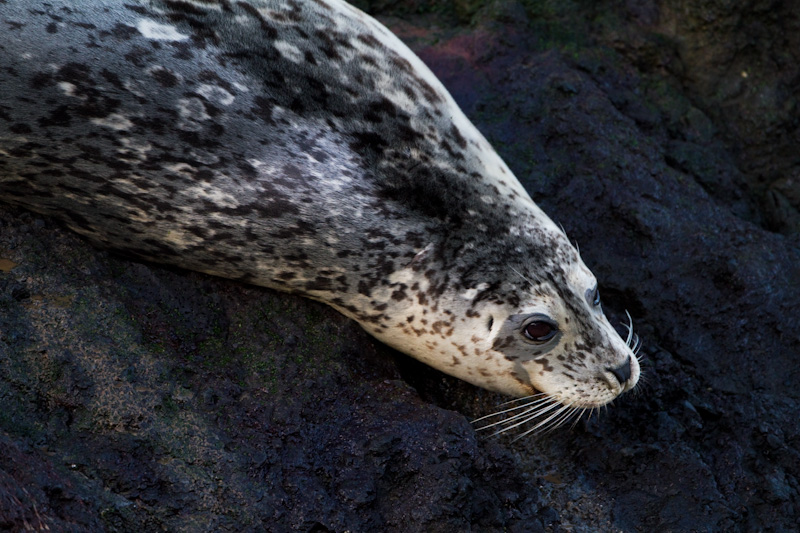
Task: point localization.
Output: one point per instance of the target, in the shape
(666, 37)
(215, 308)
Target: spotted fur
(298, 145)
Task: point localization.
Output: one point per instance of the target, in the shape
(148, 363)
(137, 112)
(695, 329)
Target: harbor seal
(299, 145)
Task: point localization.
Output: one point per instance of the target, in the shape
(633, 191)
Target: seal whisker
(629, 326)
(522, 276)
(581, 412)
(576, 412)
(540, 411)
(523, 399)
(537, 408)
(637, 345)
(498, 413)
(556, 420)
(633, 341)
(532, 414)
(550, 423)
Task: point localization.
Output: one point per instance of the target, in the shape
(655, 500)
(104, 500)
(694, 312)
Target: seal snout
(622, 372)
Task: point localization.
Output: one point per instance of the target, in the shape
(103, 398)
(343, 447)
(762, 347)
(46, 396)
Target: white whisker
(578, 418)
(637, 345)
(630, 329)
(518, 273)
(528, 406)
(633, 341)
(524, 398)
(538, 413)
(525, 415)
(550, 423)
(543, 411)
(529, 414)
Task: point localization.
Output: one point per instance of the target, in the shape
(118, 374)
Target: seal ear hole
(490, 323)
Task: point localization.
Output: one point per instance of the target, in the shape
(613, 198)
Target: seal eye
(593, 296)
(540, 331)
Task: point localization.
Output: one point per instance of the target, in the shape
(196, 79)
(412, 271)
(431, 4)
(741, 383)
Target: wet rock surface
(137, 398)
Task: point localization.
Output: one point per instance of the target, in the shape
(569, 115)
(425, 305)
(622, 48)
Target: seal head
(523, 320)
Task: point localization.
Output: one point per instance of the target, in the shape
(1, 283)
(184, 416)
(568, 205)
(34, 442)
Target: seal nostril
(623, 372)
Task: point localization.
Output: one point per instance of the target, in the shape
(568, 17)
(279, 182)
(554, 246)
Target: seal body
(299, 145)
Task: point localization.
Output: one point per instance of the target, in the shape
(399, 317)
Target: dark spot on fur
(546, 366)
(137, 56)
(137, 9)
(14, 25)
(460, 140)
(328, 46)
(367, 140)
(164, 77)
(369, 40)
(41, 80)
(410, 93)
(320, 283)
(271, 32)
(364, 288)
(123, 31)
(369, 60)
(401, 63)
(183, 51)
(185, 7)
(263, 109)
(59, 116)
(112, 78)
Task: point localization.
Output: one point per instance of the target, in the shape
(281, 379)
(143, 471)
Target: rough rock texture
(661, 134)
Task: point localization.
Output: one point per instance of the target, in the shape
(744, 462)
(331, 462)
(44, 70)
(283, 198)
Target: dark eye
(540, 331)
(593, 296)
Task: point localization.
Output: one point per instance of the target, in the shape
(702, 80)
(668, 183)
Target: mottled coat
(299, 145)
